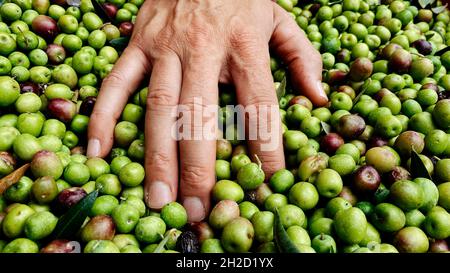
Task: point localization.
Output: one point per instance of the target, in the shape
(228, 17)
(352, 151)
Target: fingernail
(159, 194)
(93, 148)
(195, 209)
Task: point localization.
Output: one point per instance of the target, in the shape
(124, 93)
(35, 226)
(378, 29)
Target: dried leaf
(13, 178)
(74, 3)
(424, 3)
(439, 9)
(326, 127)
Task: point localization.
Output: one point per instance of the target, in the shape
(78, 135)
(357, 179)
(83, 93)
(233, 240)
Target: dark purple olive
(423, 46)
(335, 76)
(377, 141)
(351, 126)
(67, 198)
(45, 26)
(430, 85)
(366, 179)
(400, 61)
(62, 109)
(62, 246)
(398, 173)
(110, 9)
(331, 142)
(87, 106)
(380, 94)
(314, 8)
(27, 87)
(56, 53)
(202, 230)
(126, 28)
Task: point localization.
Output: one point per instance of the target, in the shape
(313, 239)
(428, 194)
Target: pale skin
(188, 47)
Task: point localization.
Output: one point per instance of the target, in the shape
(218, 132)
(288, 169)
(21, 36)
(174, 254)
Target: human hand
(188, 47)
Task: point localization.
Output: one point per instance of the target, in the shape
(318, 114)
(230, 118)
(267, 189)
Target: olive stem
(163, 243)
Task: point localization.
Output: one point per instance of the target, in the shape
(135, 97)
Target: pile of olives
(369, 172)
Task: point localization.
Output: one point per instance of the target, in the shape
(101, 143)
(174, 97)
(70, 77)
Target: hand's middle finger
(160, 144)
(199, 95)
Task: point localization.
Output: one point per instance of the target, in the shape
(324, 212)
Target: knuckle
(161, 96)
(198, 35)
(158, 161)
(194, 176)
(160, 40)
(244, 39)
(114, 79)
(263, 98)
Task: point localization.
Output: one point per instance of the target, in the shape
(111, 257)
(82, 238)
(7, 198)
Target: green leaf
(326, 127)
(282, 240)
(281, 90)
(442, 51)
(430, 35)
(335, 2)
(163, 242)
(120, 43)
(100, 11)
(418, 169)
(70, 223)
(424, 3)
(439, 9)
(2, 2)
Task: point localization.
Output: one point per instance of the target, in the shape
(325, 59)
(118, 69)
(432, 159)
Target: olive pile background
(348, 185)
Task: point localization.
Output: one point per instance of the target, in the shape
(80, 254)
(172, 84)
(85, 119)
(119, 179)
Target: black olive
(188, 243)
(87, 106)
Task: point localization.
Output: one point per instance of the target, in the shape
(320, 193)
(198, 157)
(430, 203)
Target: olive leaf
(418, 168)
(12, 178)
(163, 242)
(100, 11)
(325, 127)
(70, 223)
(335, 2)
(442, 51)
(281, 90)
(430, 35)
(439, 9)
(365, 86)
(119, 43)
(282, 240)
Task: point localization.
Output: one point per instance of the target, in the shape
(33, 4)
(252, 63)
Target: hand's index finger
(304, 61)
(117, 87)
